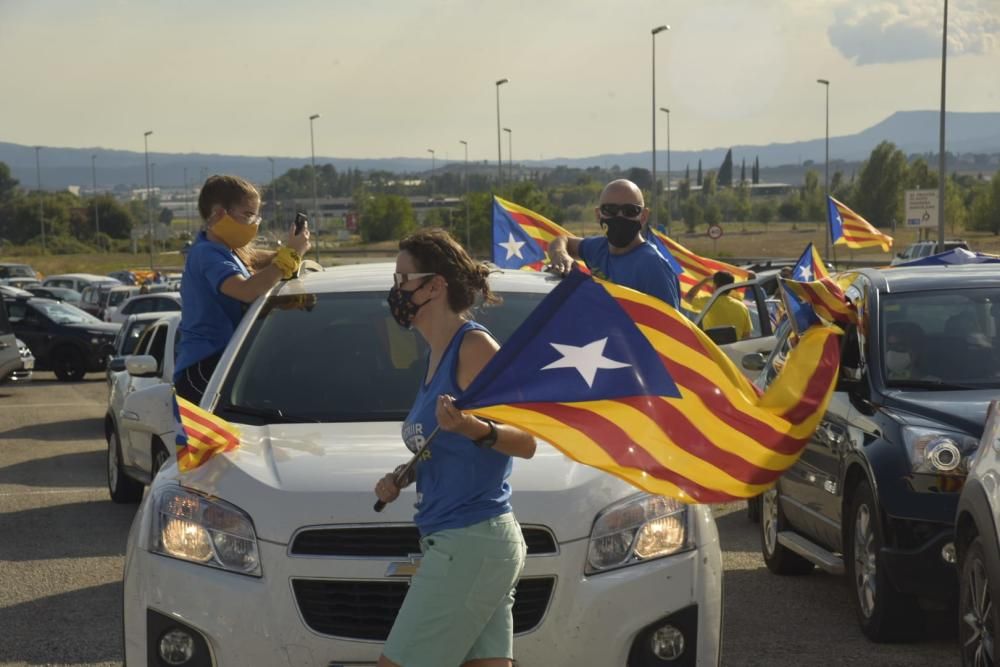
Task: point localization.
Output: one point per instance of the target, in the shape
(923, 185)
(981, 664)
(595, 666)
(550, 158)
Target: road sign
(715, 232)
(921, 208)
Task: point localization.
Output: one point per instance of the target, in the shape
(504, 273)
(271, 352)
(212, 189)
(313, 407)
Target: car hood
(287, 476)
(105, 327)
(962, 410)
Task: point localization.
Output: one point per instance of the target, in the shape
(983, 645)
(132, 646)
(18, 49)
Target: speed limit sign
(715, 232)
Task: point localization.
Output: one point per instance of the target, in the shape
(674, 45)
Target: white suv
(272, 554)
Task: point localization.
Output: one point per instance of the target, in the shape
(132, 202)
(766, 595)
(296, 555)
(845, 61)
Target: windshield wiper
(268, 414)
(932, 384)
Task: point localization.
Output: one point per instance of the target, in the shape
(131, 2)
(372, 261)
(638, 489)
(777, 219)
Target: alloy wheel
(769, 519)
(978, 617)
(864, 560)
(113, 461)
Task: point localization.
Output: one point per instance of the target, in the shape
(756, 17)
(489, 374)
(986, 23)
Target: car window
(166, 305)
(753, 301)
(64, 313)
(778, 356)
(5, 327)
(142, 347)
(342, 358)
(131, 335)
(158, 346)
(947, 336)
(138, 306)
(115, 298)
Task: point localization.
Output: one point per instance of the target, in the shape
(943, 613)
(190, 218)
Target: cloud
(892, 31)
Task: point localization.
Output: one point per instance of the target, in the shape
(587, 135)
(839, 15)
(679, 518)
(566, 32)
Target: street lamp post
(187, 203)
(499, 83)
(510, 154)
(41, 199)
(654, 32)
(669, 191)
(312, 149)
(941, 160)
(149, 209)
(97, 215)
(430, 180)
(274, 197)
(826, 179)
(465, 181)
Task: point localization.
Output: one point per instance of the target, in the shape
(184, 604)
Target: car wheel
(884, 613)
(753, 509)
(160, 457)
(123, 489)
(68, 364)
(778, 559)
(979, 620)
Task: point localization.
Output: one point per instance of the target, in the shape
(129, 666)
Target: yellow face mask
(234, 233)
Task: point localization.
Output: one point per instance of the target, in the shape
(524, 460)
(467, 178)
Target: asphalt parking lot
(62, 546)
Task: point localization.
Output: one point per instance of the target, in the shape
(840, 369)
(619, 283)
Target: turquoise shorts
(459, 604)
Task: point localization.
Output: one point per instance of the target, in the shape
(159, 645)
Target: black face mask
(620, 230)
(402, 307)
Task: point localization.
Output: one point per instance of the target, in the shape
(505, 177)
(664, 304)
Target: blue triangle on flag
(512, 246)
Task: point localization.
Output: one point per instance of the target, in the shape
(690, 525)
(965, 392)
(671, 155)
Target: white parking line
(49, 492)
(22, 406)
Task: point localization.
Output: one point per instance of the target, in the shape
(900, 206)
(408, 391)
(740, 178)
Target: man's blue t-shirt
(643, 268)
(208, 317)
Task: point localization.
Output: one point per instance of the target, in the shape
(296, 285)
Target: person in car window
(903, 341)
(622, 255)
(222, 273)
(458, 609)
(727, 311)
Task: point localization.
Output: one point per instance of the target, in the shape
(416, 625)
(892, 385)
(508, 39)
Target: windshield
(17, 271)
(945, 339)
(115, 298)
(132, 336)
(343, 360)
(63, 313)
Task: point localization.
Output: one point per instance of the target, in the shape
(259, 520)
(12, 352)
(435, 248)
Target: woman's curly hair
(435, 251)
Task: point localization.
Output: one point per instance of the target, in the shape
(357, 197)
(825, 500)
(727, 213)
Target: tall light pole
(97, 215)
(510, 154)
(187, 202)
(653, 33)
(499, 83)
(149, 195)
(41, 199)
(941, 160)
(465, 181)
(312, 149)
(433, 167)
(826, 179)
(669, 192)
(274, 197)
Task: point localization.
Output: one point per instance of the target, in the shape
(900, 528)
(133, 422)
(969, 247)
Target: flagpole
(403, 473)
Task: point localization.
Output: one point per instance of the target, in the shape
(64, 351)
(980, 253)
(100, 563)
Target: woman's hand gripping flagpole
(402, 473)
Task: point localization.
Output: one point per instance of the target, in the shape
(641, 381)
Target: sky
(394, 78)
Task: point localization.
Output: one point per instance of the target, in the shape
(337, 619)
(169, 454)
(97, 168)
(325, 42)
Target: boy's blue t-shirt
(208, 317)
(459, 483)
(643, 268)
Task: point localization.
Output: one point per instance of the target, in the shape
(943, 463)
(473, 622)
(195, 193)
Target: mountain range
(915, 132)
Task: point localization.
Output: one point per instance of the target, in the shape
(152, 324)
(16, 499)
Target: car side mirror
(141, 366)
(722, 335)
(116, 364)
(849, 378)
(753, 362)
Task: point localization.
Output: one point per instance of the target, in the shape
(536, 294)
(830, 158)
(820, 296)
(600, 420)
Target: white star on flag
(805, 273)
(587, 360)
(512, 246)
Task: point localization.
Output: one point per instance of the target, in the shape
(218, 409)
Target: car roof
(175, 295)
(377, 277)
(143, 317)
(93, 277)
(904, 278)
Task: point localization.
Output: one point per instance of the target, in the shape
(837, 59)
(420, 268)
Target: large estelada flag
(695, 267)
(200, 434)
(621, 381)
(812, 284)
(521, 237)
(850, 229)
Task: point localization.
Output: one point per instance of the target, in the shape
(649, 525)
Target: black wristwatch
(488, 440)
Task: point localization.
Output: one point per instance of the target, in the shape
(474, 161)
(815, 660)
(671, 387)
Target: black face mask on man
(402, 307)
(621, 230)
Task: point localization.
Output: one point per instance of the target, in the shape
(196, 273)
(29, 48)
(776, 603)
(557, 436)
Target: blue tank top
(459, 483)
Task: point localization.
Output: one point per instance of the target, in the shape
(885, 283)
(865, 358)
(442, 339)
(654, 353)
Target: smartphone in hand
(300, 222)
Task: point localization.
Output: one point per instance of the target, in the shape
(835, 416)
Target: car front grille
(392, 541)
(354, 609)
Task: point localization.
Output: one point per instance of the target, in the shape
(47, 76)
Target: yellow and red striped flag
(813, 284)
(621, 381)
(696, 268)
(200, 434)
(850, 229)
(521, 236)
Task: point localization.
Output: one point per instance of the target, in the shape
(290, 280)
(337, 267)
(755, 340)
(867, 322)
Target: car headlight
(635, 530)
(191, 527)
(936, 452)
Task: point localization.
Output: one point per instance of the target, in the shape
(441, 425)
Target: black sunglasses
(628, 210)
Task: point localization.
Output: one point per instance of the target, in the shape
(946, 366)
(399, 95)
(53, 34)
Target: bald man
(622, 254)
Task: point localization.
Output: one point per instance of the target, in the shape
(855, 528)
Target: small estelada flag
(200, 434)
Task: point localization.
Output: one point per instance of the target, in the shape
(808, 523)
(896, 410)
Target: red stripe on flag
(208, 424)
(204, 438)
(527, 221)
(654, 319)
(818, 382)
(620, 447)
